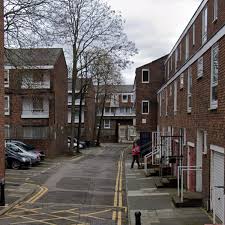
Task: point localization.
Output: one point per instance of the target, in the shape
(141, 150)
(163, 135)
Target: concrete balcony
(35, 114)
(36, 85)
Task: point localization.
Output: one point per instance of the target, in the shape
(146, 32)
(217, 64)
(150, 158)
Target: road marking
(114, 216)
(38, 195)
(119, 222)
(116, 186)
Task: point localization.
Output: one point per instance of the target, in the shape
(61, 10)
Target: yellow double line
(118, 196)
(38, 195)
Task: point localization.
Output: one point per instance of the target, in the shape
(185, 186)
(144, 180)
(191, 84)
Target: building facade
(191, 104)
(88, 107)
(2, 144)
(149, 78)
(118, 115)
(35, 98)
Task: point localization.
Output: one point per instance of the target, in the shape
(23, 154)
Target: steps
(191, 199)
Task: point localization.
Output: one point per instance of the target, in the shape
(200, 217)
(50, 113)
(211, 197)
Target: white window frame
(205, 149)
(189, 90)
(200, 67)
(215, 10)
(187, 47)
(171, 63)
(175, 97)
(180, 51)
(168, 70)
(166, 102)
(176, 59)
(124, 101)
(214, 103)
(160, 104)
(132, 98)
(204, 24)
(7, 110)
(145, 70)
(182, 81)
(6, 83)
(107, 126)
(144, 101)
(193, 34)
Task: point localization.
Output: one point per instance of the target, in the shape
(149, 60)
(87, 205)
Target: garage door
(218, 180)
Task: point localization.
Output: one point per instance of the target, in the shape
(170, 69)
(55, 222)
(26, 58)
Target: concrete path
(155, 204)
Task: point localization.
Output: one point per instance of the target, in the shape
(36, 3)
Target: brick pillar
(2, 148)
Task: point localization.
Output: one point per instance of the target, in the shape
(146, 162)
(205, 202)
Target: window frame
(182, 81)
(214, 103)
(189, 90)
(124, 101)
(200, 69)
(187, 46)
(175, 98)
(215, 10)
(6, 84)
(7, 110)
(204, 25)
(193, 35)
(109, 124)
(142, 104)
(145, 70)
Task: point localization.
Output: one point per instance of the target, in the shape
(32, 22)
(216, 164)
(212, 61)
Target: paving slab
(155, 204)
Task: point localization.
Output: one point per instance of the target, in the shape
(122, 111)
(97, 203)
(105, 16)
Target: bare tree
(88, 26)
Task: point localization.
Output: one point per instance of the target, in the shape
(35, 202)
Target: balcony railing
(36, 85)
(118, 114)
(35, 114)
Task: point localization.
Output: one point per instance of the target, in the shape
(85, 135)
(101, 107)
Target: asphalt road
(89, 190)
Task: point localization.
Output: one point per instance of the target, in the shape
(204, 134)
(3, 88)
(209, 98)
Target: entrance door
(200, 146)
(191, 173)
(218, 180)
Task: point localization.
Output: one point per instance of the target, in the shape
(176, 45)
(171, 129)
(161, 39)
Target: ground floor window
(107, 124)
(30, 132)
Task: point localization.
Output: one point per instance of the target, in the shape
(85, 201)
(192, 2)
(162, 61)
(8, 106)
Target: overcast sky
(154, 26)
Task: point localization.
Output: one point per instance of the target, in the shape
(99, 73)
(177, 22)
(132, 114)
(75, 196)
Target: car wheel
(15, 165)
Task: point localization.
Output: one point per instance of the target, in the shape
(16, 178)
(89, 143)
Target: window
(180, 51)
(124, 98)
(176, 58)
(205, 149)
(35, 132)
(7, 105)
(182, 81)
(193, 32)
(171, 63)
(171, 89)
(200, 67)
(175, 98)
(132, 98)
(107, 124)
(215, 10)
(145, 107)
(6, 78)
(187, 47)
(168, 70)
(38, 104)
(122, 110)
(145, 76)
(166, 102)
(160, 104)
(38, 78)
(189, 89)
(183, 134)
(7, 131)
(204, 25)
(214, 77)
(107, 110)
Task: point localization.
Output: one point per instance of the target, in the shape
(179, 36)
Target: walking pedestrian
(135, 155)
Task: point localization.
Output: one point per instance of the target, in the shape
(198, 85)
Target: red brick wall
(147, 91)
(212, 121)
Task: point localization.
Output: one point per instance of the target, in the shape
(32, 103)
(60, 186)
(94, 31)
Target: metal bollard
(138, 218)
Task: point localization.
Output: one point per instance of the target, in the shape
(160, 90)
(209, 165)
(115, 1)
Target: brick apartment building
(36, 98)
(149, 78)
(119, 115)
(88, 107)
(2, 145)
(192, 103)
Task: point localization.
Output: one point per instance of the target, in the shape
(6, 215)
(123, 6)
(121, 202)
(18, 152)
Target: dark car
(29, 148)
(15, 160)
(83, 144)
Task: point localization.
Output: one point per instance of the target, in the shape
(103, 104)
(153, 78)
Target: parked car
(35, 158)
(74, 143)
(29, 148)
(15, 160)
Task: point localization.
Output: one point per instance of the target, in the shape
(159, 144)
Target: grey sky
(154, 26)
